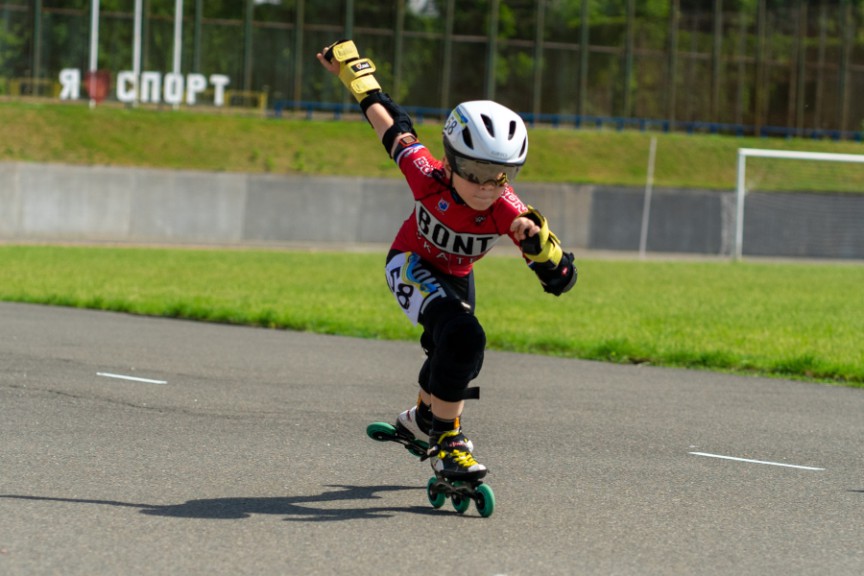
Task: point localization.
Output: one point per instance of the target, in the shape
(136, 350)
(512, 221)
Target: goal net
(799, 204)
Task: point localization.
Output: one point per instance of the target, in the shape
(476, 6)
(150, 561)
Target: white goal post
(741, 186)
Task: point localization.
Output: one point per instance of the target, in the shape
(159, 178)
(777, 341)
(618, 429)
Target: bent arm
(553, 266)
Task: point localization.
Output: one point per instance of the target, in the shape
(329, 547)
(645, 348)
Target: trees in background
(795, 63)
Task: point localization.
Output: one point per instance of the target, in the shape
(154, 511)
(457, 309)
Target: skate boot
(452, 459)
(408, 432)
(458, 476)
(408, 426)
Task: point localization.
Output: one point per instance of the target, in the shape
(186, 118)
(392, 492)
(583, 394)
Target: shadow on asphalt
(293, 508)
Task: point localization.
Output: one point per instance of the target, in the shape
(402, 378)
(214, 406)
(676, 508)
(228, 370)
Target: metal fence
(791, 67)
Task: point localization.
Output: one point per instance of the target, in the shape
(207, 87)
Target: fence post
(628, 59)
(300, 17)
(674, 16)
(492, 49)
(398, 43)
(37, 40)
(843, 73)
(538, 58)
(247, 45)
(716, 61)
(94, 41)
(447, 66)
(583, 58)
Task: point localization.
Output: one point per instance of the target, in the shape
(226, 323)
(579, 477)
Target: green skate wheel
(381, 431)
(436, 498)
(460, 503)
(485, 500)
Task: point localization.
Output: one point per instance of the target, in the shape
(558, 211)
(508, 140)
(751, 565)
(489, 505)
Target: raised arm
(389, 120)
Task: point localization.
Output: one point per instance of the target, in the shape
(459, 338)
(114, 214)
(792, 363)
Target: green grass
(789, 320)
(74, 134)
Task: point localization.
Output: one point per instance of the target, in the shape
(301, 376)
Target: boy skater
(463, 205)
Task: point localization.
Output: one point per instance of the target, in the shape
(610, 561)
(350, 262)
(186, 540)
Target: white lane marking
(754, 461)
(133, 378)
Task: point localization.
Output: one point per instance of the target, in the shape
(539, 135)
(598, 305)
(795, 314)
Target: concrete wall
(57, 202)
(809, 225)
(679, 221)
(41, 202)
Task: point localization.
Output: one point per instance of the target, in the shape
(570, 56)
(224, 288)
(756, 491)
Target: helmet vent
(466, 137)
(489, 126)
(512, 130)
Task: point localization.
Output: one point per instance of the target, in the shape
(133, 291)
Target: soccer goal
(791, 203)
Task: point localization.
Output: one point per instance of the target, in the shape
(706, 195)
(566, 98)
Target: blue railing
(419, 114)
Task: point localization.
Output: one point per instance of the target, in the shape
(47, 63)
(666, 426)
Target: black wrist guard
(556, 279)
(401, 120)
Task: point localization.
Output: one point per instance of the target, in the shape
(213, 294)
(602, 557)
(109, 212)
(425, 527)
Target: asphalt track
(242, 451)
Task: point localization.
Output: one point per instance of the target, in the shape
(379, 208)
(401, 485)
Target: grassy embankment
(74, 134)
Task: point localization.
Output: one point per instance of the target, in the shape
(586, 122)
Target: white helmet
(483, 139)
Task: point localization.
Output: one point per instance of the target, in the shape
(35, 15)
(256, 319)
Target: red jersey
(447, 233)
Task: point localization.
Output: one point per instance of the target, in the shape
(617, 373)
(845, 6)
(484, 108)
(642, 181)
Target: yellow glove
(554, 267)
(357, 74)
(544, 246)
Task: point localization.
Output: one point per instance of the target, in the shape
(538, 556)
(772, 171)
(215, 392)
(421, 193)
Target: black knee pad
(425, 375)
(428, 345)
(462, 339)
(457, 355)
